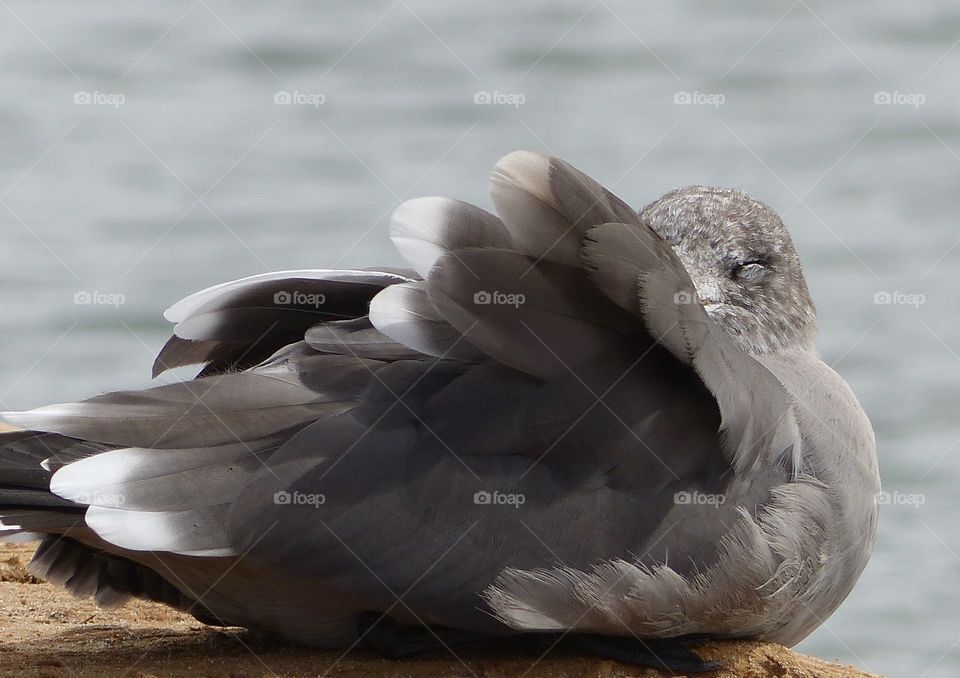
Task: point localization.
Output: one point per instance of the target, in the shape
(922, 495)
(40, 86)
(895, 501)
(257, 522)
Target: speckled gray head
(743, 263)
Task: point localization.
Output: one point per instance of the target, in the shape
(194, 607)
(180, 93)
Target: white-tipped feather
(145, 479)
(425, 229)
(187, 306)
(356, 338)
(192, 532)
(548, 206)
(520, 188)
(405, 314)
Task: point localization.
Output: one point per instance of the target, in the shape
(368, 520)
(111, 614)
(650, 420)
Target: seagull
(567, 421)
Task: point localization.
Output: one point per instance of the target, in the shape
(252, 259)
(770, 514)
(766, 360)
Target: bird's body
(540, 428)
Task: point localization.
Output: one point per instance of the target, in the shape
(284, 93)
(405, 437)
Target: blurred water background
(151, 149)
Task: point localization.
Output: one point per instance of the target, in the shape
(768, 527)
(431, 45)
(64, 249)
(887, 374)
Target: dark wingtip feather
(179, 352)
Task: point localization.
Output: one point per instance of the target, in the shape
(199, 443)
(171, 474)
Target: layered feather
(637, 270)
(240, 323)
(547, 206)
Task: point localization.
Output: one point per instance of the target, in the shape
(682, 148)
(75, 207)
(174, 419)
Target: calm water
(183, 171)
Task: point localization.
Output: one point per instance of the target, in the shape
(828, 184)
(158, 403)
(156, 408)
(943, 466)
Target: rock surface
(44, 631)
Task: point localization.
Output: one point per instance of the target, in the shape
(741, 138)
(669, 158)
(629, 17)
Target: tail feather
(38, 451)
(27, 462)
(68, 553)
(110, 579)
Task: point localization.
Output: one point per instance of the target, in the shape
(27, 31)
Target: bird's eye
(751, 271)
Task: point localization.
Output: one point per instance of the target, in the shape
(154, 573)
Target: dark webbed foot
(667, 654)
(397, 641)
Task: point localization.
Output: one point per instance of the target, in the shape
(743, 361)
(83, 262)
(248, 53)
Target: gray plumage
(570, 416)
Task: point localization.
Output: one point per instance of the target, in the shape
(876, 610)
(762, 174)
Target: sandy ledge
(44, 631)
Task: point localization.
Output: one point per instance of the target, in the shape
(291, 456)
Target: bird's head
(743, 264)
